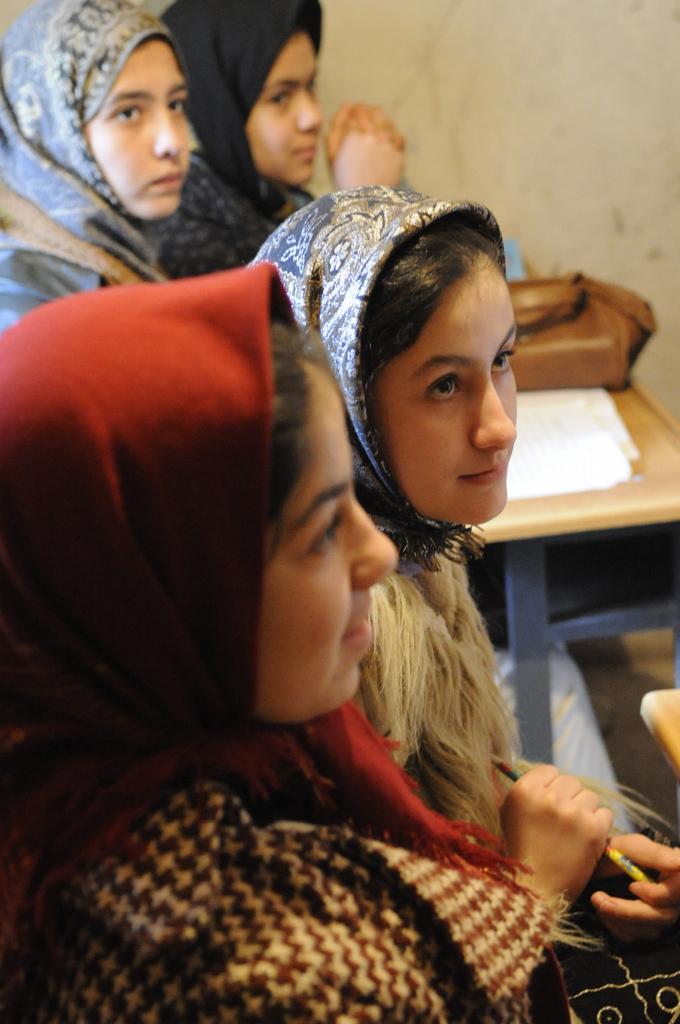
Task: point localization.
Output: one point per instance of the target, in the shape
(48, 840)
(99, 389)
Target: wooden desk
(598, 563)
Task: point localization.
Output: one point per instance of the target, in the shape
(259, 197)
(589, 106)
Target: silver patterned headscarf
(329, 256)
(58, 62)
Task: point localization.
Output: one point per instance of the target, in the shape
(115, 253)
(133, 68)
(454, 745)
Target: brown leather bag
(576, 332)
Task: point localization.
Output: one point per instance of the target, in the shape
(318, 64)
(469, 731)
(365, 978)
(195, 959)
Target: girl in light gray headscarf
(93, 146)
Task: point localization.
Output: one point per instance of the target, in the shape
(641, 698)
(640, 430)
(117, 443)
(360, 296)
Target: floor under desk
(618, 671)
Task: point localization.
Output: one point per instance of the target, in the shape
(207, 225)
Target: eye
(127, 114)
(178, 105)
(280, 99)
(444, 387)
(502, 360)
(327, 536)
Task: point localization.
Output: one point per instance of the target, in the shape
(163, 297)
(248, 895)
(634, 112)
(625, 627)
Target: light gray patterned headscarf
(58, 62)
(330, 255)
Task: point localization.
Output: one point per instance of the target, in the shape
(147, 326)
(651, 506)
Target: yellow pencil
(621, 861)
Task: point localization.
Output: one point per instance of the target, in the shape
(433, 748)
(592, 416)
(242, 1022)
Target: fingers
(358, 117)
(542, 773)
(662, 894)
(370, 120)
(648, 854)
(367, 159)
(379, 123)
(605, 820)
(657, 905)
(367, 118)
(549, 794)
(665, 892)
(374, 119)
(337, 130)
(631, 920)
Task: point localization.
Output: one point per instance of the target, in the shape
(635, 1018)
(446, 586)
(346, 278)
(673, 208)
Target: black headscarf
(228, 47)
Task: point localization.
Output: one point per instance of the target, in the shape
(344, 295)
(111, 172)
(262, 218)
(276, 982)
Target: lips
(307, 154)
(169, 182)
(359, 635)
(487, 476)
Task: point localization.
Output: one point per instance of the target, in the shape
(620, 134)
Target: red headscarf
(134, 467)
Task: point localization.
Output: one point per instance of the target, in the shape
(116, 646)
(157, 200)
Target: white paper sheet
(567, 441)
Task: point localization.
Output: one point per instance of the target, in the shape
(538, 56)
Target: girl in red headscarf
(198, 824)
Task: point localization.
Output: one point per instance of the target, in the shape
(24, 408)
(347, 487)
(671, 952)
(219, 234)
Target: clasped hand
(364, 147)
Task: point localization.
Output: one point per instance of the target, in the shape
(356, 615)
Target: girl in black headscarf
(252, 68)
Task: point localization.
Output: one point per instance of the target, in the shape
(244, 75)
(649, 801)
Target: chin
(346, 688)
(160, 213)
(301, 179)
(469, 513)
(492, 510)
(155, 209)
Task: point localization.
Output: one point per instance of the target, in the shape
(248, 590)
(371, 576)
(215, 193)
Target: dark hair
(293, 353)
(309, 20)
(411, 284)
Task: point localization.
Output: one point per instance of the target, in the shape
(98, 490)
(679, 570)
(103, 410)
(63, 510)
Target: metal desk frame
(650, 503)
(530, 629)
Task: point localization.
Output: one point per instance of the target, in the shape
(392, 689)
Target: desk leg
(527, 612)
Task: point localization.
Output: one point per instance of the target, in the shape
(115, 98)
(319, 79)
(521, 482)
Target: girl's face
(140, 136)
(284, 124)
(316, 589)
(445, 408)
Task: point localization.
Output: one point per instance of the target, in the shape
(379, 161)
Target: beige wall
(561, 115)
(9, 11)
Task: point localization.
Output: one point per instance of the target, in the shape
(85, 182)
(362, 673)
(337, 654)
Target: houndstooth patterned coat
(217, 920)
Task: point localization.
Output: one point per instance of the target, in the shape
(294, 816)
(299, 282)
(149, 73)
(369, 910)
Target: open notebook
(567, 441)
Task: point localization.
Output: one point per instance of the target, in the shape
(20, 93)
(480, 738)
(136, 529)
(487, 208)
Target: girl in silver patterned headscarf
(331, 257)
(410, 297)
(430, 680)
(93, 146)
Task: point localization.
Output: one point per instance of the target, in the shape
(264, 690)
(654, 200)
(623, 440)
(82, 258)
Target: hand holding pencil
(657, 905)
(615, 856)
(557, 827)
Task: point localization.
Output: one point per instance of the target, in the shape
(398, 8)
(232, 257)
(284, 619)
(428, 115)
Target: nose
(374, 555)
(171, 135)
(495, 425)
(309, 115)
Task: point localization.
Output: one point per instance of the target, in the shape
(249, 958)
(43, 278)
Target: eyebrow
(457, 361)
(288, 83)
(127, 97)
(328, 494)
